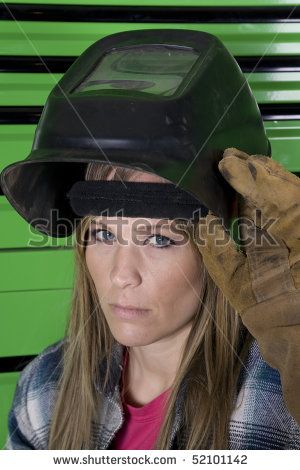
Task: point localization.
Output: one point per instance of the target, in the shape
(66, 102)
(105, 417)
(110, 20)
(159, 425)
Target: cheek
(178, 291)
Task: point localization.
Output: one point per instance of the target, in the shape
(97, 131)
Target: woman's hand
(262, 283)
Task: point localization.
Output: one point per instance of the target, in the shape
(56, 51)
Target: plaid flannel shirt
(260, 419)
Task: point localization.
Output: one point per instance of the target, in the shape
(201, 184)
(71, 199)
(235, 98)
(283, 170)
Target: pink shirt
(141, 426)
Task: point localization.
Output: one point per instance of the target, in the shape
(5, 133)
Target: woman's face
(134, 262)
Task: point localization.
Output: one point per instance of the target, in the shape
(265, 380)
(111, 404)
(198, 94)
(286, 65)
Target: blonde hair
(210, 366)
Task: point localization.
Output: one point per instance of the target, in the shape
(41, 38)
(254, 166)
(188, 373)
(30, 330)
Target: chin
(131, 339)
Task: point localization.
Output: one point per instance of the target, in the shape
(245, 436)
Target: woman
(194, 376)
(173, 283)
(213, 363)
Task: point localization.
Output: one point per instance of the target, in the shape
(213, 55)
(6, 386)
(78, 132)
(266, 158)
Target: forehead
(140, 226)
(138, 176)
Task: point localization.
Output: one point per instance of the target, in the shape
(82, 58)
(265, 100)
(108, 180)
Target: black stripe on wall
(33, 64)
(14, 364)
(146, 14)
(280, 111)
(31, 114)
(54, 64)
(20, 114)
(269, 64)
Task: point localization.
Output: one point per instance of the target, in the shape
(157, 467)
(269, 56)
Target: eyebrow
(145, 228)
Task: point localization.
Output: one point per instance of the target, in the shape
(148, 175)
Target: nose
(126, 267)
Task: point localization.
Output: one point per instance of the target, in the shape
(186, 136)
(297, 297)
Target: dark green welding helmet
(168, 101)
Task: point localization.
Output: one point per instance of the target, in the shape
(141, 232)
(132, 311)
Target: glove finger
(249, 214)
(247, 211)
(286, 227)
(295, 271)
(268, 264)
(269, 163)
(224, 263)
(234, 151)
(263, 183)
(266, 235)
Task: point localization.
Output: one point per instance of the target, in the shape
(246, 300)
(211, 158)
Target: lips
(129, 307)
(129, 313)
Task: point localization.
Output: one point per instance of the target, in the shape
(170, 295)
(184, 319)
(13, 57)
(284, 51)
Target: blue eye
(161, 237)
(95, 232)
(95, 235)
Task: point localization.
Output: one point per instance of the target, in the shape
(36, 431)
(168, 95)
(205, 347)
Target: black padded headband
(134, 199)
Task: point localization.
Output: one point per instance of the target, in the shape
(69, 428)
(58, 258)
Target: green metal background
(36, 283)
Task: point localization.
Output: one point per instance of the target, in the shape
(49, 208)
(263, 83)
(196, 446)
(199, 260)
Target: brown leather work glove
(262, 280)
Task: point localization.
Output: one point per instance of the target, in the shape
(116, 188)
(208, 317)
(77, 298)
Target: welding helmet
(169, 101)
